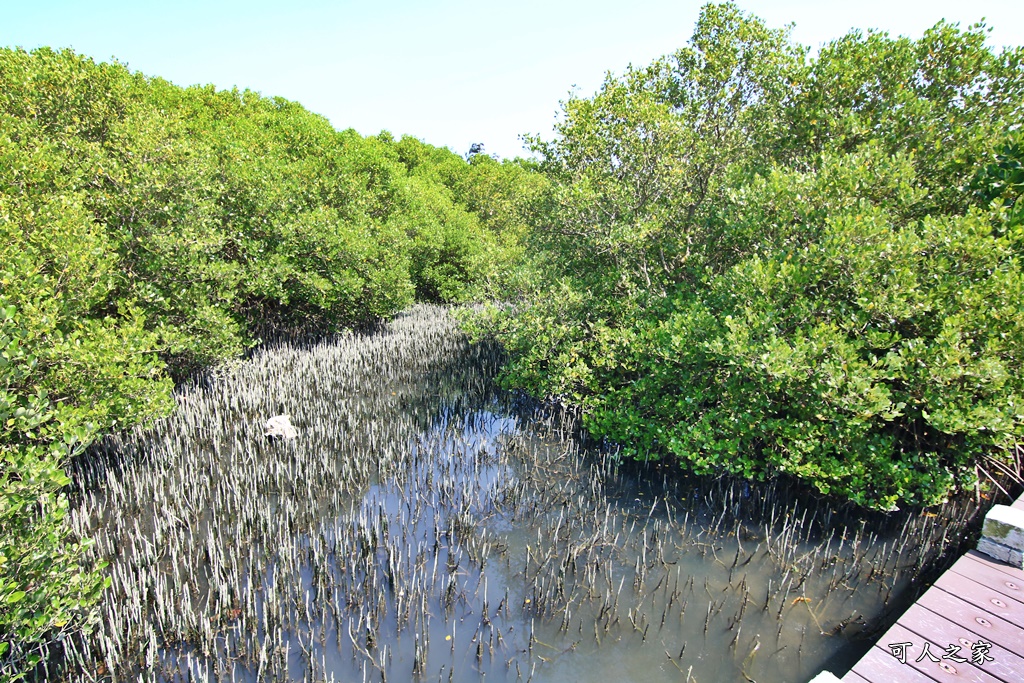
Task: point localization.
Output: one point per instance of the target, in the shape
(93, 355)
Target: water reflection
(426, 526)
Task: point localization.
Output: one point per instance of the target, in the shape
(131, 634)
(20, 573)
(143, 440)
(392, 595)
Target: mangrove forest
(699, 389)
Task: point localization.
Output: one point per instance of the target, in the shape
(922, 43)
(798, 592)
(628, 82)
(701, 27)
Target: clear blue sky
(450, 72)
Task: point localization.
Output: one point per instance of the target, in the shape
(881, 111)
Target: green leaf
(16, 596)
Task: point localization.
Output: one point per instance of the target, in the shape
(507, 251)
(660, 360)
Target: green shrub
(43, 590)
(754, 263)
(148, 231)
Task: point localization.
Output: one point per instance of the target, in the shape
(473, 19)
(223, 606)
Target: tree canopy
(148, 231)
(762, 263)
(738, 258)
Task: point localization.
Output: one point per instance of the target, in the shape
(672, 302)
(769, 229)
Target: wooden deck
(969, 626)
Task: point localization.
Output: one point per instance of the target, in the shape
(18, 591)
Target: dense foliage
(759, 262)
(738, 257)
(148, 230)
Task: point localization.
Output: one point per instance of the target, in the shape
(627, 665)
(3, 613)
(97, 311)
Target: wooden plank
(989, 572)
(988, 626)
(1016, 575)
(978, 599)
(982, 596)
(879, 666)
(1004, 665)
(942, 670)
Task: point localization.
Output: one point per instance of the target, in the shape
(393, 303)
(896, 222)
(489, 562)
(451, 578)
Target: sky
(449, 72)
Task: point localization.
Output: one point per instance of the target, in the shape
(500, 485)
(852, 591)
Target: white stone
(280, 426)
(825, 677)
(1002, 536)
(1005, 526)
(1001, 552)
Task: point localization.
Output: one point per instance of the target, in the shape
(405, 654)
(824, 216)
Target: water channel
(427, 526)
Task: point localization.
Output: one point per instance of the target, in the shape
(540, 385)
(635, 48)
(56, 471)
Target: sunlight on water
(427, 526)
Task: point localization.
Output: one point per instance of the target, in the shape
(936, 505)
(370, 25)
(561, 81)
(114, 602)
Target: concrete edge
(1002, 536)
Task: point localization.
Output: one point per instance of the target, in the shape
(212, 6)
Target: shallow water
(427, 526)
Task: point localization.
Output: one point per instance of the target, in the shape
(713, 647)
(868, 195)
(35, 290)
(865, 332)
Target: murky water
(425, 526)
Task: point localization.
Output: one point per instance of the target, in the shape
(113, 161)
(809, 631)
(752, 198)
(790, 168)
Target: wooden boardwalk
(969, 626)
